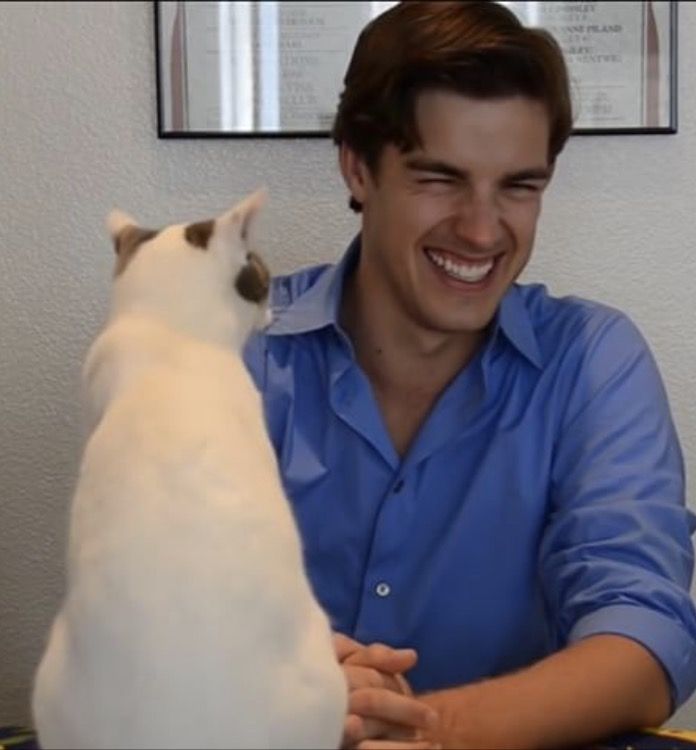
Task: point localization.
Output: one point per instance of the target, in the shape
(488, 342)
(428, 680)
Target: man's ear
(356, 173)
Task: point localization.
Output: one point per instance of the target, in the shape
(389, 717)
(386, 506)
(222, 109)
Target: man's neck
(394, 350)
(408, 366)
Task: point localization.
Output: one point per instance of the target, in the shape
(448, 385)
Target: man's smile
(455, 267)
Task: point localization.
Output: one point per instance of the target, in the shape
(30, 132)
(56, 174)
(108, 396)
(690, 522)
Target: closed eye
(525, 188)
(430, 172)
(528, 182)
(435, 177)
(440, 180)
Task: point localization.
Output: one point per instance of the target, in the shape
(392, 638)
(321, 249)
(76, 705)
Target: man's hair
(477, 49)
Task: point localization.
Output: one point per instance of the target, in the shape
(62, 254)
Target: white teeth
(471, 272)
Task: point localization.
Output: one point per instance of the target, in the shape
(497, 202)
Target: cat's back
(180, 450)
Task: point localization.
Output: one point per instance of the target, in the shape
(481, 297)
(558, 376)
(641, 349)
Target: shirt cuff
(669, 643)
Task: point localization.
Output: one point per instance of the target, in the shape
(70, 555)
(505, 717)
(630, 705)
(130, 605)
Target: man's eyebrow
(422, 164)
(537, 173)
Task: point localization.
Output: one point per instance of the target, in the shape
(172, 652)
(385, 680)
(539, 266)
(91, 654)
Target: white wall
(77, 136)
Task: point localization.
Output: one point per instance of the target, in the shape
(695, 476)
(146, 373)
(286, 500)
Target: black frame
(670, 128)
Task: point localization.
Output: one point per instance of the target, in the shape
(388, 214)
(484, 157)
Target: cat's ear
(242, 215)
(127, 237)
(117, 221)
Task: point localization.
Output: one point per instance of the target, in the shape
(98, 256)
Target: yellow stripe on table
(19, 736)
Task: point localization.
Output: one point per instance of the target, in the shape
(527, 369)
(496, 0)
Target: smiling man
(487, 478)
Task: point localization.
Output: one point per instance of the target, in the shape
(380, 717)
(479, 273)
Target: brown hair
(478, 49)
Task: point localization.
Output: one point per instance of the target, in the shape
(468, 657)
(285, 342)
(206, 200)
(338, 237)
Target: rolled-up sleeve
(617, 555)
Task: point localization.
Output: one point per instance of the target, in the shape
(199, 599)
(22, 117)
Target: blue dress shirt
(541, 502)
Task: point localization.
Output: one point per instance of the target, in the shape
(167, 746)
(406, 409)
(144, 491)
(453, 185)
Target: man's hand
(382, 712)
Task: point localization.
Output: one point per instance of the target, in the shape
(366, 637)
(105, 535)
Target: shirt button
(398, 486)
(383, 589)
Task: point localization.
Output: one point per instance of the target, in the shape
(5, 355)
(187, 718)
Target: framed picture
(274, 69)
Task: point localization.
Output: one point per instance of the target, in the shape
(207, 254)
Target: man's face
(448, 227)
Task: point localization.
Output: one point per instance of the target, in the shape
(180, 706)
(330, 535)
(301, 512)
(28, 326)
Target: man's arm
(615, 564)
(597, 687)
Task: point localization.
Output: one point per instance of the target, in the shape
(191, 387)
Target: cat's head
(203, 279)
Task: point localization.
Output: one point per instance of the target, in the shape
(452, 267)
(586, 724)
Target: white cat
(188, 620)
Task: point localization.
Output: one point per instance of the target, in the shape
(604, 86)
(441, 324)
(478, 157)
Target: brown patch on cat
(253, 281)
(199, 233)
(127, 242)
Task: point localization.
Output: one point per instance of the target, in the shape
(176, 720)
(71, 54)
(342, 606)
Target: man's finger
(344, 646)
(396, 745)
(353, 731)
(382, 657)
(392, 708)
(364, 677)
(360, 729)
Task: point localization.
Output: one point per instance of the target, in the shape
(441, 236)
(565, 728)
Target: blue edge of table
(23, 738)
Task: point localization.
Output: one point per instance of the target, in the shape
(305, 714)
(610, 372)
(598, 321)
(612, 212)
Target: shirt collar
(515, 323)
(318, 307)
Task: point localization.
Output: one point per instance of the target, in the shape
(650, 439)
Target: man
(487, 479)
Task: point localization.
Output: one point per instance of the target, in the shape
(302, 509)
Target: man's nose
(478, 222)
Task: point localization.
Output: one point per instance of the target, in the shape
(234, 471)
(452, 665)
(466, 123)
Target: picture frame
(270, 68)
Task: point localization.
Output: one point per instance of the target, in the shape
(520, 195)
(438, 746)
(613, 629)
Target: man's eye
(435, 180)
(525, 187)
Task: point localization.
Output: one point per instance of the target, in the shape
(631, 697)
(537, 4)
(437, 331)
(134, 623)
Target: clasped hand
(383, 713)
